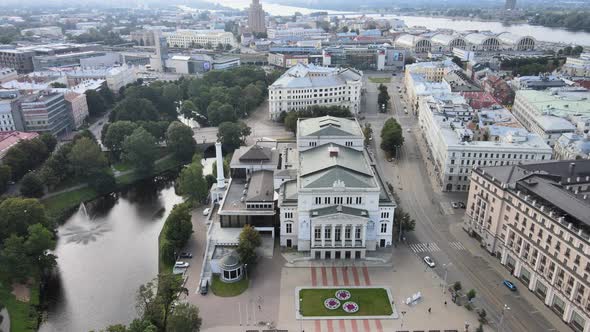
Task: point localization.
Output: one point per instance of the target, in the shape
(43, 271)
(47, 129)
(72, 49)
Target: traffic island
(349, 302)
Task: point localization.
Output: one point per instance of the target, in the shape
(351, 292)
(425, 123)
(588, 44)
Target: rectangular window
(289, 228)
(359, 200)
(318, 200)
(384, 215)
(337, 234)
(347, 233)
(327, 200)
(317, 233)
(348, 200)
(357, 233)
(383, 228)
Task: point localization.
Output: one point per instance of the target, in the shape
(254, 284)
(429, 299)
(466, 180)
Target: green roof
(328, 126)
(562, 104)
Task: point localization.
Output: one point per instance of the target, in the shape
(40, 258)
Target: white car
(429, 261)
(206, 211)
(181, 265)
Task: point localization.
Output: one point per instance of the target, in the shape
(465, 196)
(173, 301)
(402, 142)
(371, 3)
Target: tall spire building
(256, 17)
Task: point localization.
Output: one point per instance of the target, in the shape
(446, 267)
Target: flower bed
(332, 304)
(350, 307)
(343, 294)
(318, 302)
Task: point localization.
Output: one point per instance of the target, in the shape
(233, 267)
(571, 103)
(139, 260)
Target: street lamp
(445, 266)
(300, 316)
(501, 327)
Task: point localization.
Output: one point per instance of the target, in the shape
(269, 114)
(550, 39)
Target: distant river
(538, 32)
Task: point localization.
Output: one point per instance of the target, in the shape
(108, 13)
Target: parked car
(204, 287)
(185, 255)
(409, 130)
(206, 211)
(510, 285)
(455, 205)
(461, 205)
(429, 261)
(181, 265)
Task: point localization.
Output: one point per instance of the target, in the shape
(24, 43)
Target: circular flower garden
(350, 307)
(331, 304)
(343, 294)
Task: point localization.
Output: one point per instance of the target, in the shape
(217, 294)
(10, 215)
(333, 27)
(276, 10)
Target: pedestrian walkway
(424, 247)
(457, 245)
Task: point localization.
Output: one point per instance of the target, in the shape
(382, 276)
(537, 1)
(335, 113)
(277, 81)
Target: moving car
(181, 265)
(429, 261)
(206, 211)
(204, 287)
(185, 255)
(461, 205)
(455, 205)
(510, 285)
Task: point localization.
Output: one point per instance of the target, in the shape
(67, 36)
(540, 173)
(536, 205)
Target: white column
(364, 234)
(323, 235)
(343, 235)
(312, 236)
(333, 235)
(352, 235)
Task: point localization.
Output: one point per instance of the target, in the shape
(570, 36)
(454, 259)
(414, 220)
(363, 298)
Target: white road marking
(424, 247)
(457, 245)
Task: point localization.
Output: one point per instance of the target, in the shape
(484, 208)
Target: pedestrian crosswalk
(424, 247)
(432, 247)
(457, 245)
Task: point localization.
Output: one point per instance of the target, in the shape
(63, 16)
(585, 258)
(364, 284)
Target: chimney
(572, 168)
(219, 157)
(333, 151)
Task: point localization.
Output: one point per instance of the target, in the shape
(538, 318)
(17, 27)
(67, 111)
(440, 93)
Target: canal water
(105, 254)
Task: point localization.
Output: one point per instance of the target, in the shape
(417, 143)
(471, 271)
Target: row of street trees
(383, 98)
(391, 137)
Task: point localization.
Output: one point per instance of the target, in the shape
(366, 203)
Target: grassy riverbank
(23, 315)
(61, 206)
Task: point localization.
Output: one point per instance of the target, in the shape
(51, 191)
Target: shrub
(471, 294)
(457, 286)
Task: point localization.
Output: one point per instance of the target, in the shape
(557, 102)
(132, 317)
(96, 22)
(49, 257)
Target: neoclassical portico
(338, 236)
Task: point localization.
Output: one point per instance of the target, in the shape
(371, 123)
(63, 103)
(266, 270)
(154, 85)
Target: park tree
(191, 184)
(49, 140)
(107, 95)
(179, 226)
(102, 181)
(391, 136)
(180, 141)
(86, 158)
(248, 241)
(407, 223)
(116, 134)
(140, 150)
(31, 185)
(25, 156)
(134, 109)
(13, 258)
(5, 175)
(155, 299)
(189, 110)
(232, 134)
(96, 103)
(220, 113)
(17, 214)
(184, 318)
(38, 242)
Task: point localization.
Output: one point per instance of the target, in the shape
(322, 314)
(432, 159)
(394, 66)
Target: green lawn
(122, 166)
(371, 301)
(23, 315)
(223, 289)
(380, 80)
(59, 204)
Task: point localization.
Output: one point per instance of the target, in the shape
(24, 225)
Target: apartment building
(535, 218)
(304, 86)
(551, 113)
(202, 38)
(46, 112)
(115, 77)
(460, 138)
(10, 115)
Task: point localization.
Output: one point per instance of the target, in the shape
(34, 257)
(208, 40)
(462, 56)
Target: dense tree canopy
(17, 214)
(248, 242)
(140, 150)
(25, 156)
(134, 109)
(232, 134)
(391, 136)
(191, 183)
(86, 158)
(96, 103)
(180, 141)
(31, 185)
(290, 118)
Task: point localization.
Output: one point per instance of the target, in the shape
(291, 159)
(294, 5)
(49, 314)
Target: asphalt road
(416, 196)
